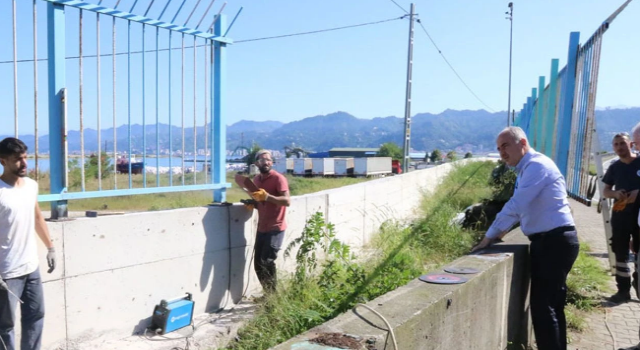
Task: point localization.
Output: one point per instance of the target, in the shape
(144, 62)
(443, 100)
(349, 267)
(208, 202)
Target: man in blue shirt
(540, 204)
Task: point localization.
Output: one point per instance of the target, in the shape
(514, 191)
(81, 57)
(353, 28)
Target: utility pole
(510, 18)
(407, 108)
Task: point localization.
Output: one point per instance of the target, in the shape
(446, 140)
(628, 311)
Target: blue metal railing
(559, 118)
(75, 95)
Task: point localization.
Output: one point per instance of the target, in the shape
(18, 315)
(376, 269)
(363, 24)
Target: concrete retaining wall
(113, 270)
(490, 311)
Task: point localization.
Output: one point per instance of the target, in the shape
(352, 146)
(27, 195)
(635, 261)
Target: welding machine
(173, 314)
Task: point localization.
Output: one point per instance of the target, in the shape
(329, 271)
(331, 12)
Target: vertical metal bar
(98, 101)
(539, 115)
(144, 108)
(206, 113)
(129, 98)
(182, 98)
(550, 114)
(566, 104)
(56, 90)
(195, 125)
(35, 84)
(115, 132)
(81, 101)
(15, 72)
(218, 147)
(170, 112)
(157, 112)
(211, 101)
(215, 19)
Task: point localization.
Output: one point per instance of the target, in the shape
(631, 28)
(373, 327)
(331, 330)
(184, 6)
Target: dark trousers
(266, 251)
(552, 256)
(624, 226)
(29, 288)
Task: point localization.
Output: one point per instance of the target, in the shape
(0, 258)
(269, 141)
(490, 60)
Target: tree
(390, 149)
(468, 155)
(251, 157)
(91, 167)
(436, 156)
(452, 156)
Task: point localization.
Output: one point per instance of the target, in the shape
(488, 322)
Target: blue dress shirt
(539, 201)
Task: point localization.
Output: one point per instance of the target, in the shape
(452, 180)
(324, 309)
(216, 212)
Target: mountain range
(451, 129)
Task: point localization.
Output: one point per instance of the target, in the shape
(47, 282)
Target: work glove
(620, 205)
(51, 259)
(261, 195)
(249, 207)
(3, 285)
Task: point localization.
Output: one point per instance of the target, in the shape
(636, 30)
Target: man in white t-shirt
(20, 218)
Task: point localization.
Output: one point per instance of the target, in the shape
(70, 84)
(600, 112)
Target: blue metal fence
(96, 72)
(559, 118)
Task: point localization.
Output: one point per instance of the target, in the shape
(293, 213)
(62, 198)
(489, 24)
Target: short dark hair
(10, 146)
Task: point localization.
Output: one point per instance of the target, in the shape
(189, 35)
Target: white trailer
(343, 166)
(372, 166)
(283, 165)
(280, 166)
(302, 166)
(323, 166)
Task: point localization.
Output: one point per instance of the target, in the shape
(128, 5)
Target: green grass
(400, 255)
(160, 201)
(585, 285)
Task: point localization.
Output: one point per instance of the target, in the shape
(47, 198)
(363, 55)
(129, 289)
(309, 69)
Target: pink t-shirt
(271, 217)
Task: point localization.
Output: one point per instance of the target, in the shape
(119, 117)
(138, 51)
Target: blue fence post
(531, 126)
(57, 119)
(550, 118)
(219, 146)
(565, 108)
(538, 144)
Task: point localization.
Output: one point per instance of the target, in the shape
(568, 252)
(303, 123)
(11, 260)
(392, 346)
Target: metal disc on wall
(461, 270)
(442, 278)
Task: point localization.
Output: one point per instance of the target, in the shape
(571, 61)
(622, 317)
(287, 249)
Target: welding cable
(165, 338)
(606, 323)
(389, 328)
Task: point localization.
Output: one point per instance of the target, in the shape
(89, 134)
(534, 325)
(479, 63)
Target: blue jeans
(29, 288)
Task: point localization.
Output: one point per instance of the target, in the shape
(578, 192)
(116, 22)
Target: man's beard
(21, 172)
(264, 169)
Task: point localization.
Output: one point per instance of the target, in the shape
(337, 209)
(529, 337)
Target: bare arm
(282, 198)
(608, 192)
(41, 228)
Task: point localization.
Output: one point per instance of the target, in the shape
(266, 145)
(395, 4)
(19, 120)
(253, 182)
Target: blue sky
(361, 70)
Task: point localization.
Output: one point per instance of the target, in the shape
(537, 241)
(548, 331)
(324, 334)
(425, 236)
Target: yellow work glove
(261, 195)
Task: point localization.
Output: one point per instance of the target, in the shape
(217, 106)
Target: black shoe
(620, 297)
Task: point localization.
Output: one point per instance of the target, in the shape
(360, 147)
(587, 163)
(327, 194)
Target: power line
(237, 41)
(402, 8)
(453, 69)
(320, 31)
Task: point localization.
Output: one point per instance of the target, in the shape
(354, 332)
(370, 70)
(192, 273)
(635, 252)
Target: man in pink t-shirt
(272, 198)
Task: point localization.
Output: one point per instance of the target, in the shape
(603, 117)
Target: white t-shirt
(18, 250)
